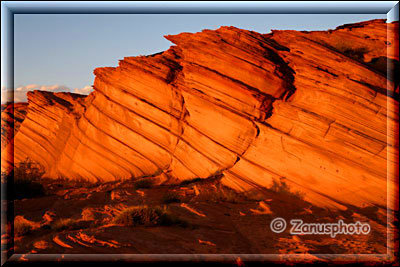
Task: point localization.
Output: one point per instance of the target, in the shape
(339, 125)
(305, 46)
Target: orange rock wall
(311, 109)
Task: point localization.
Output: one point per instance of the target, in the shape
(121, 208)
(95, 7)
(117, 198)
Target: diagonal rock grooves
(282, 70)
(256, 107)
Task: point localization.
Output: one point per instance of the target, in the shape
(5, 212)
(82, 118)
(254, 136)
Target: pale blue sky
(64, 49)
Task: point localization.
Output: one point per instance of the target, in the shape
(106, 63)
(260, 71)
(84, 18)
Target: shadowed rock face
(311, 109)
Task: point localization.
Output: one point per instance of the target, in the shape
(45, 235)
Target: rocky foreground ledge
(315, 111)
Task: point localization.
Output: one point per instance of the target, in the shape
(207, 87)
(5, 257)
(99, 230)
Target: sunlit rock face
(12, 115)
(314, 110)
(46, 128)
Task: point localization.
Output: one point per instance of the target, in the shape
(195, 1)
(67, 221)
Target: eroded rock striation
(313, 110)
(12, 115)
(45, 129)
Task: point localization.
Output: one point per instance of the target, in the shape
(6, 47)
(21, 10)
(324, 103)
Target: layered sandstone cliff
(12, 115)
(45, 129)
(313, 110)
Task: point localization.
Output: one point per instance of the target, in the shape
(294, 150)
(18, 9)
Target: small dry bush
(148, 216)
(351, 51)
(282, 188)
(27, 180)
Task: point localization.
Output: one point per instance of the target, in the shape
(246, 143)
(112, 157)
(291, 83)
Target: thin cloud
(49, 88)
(20, 92)
(84, 91)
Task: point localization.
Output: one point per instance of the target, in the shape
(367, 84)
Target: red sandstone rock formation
(45, 129)
(311, 109)
(12, 115)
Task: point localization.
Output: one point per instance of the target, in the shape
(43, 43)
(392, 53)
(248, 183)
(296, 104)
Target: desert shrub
(27, 180)
(215, 176)
(256, 194)
(22, 227)
(170, 197)
(281, 187)
(351, 51)
(73, 183)
(148, 216)
(65, 224)
(143, 183)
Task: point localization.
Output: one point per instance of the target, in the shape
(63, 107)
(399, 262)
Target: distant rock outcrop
(311, 110)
